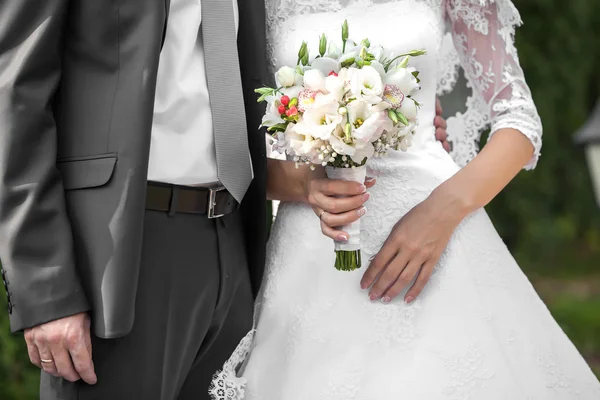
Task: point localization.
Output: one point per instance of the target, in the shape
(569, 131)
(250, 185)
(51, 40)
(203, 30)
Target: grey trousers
(194, 303)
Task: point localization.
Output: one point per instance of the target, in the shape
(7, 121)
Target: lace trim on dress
(226, 385)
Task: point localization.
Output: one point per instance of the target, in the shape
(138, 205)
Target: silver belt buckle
(212, 201)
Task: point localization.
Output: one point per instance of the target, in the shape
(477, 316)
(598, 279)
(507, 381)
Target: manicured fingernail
(409, 299)
(366, 196)
(361, 211)
(372, 297)
(386, 299)
(362, 188)
(363, 287)
(370, 180)
(342, 238)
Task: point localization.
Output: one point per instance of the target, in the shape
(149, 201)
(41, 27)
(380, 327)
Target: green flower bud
(348, 62)
(360, 63)
(293, 102)
(366, 43)
(305, 59)
(404, 62)
(302, 52)
(393, 116)
(345, 30)
(323, 45)
(363, 53)
(347, 131)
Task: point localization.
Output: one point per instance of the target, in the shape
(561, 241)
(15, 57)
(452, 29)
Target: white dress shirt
(182, 149)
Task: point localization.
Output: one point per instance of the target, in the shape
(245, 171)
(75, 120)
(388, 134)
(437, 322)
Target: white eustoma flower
(339, 146)
(365, 150)
(285, 77)
(409, 109)
(314, 80)
(366, 84)
(379, 67)
(321, 119)
(367, 122)
(336, 86)
(325, 65)
(403, 79)
(272, 116)
(333, 50)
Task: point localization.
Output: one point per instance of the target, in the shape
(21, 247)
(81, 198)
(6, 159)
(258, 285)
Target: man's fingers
(81, 355)
(46, 358)
(34, 354)
(440, 122)
(63, 364)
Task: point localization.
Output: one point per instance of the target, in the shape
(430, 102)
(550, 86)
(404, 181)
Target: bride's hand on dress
(336, 202)
(413, 248)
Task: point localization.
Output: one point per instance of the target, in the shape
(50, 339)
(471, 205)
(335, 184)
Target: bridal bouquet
(340, 108)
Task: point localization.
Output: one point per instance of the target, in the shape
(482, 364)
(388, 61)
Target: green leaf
(281, 127)
(416, 75)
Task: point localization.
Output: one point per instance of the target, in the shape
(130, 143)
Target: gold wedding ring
(321, 215)
(47, 361)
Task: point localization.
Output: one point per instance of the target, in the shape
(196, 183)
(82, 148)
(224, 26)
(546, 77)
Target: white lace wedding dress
(478, 331)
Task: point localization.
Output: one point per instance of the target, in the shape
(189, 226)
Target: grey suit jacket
(77, 83)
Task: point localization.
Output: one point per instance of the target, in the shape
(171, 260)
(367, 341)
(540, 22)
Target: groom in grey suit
(132, 203)
(121, 188)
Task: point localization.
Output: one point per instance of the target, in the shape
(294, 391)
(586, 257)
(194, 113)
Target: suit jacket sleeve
(36, 244)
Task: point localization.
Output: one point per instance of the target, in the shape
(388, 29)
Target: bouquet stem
(347, 260)
(347, 254)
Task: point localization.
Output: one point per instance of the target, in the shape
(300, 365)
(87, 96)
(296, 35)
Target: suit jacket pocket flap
(87, 172)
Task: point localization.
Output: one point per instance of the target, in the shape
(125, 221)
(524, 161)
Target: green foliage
(548, 217)
(19, 380)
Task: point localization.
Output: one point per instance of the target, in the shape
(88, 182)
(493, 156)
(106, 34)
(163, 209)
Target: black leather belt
(214, 202)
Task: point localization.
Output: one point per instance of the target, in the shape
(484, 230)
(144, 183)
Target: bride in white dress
(478, 330)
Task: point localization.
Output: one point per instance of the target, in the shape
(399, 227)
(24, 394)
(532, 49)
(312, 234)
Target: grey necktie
(234, 168)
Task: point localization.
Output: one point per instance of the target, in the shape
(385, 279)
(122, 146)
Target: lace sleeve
(483, 35)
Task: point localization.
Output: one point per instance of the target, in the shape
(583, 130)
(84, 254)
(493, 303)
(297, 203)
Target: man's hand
(63, 348)
(440, 126)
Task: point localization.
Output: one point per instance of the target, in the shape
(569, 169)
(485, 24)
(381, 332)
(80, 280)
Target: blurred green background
(548, 218)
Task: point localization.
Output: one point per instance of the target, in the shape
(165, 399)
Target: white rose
(314, 79)
(403, 79)
(366, 84)
(409, 109)
(321, 119)
(285, 77)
